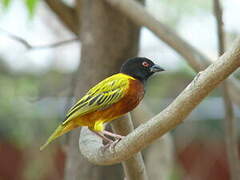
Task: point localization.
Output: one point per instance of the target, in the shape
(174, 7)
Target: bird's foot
(117, 137)
(104, 138)
(111, 145)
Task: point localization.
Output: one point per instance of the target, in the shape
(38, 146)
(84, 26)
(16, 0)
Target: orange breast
(132, 98)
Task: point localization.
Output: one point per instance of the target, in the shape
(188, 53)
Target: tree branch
(134, 167)
(169, 118)
(67, 15)
(32, 47)
(198, 61)
(230, 120)
(159, 156)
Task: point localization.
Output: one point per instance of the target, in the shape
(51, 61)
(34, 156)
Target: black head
(140, 68)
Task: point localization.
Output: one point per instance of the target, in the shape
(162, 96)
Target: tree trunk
(108, 39)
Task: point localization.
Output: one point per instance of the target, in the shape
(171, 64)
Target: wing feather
(105, 93)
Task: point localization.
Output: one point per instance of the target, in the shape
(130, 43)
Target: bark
(108, 39)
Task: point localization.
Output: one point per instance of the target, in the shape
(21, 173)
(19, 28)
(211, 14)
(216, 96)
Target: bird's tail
(61, 129)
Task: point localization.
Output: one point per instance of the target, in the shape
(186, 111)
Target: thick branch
(67, 15)
(168, 119)
(198, 61)
(230, 120)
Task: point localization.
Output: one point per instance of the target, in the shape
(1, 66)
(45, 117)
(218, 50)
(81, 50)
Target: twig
(17, 38)
(67, 15)
(31, 47)
(230, 120)
(220, 29)
(198, 61)
(168, 119)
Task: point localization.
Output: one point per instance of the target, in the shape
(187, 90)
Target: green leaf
(31, 6)
(6, 3)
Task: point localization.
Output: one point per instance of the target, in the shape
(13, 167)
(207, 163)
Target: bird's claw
(111, 145)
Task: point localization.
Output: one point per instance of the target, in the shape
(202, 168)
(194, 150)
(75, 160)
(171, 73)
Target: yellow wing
(105, 93)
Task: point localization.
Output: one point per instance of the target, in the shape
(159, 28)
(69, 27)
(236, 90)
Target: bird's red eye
(145, 64)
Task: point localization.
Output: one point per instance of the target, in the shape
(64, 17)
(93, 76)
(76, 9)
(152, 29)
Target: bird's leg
(102, 136)
(110, 143)
(117, 136)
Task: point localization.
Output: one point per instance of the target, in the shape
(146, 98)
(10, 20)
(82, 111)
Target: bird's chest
(133, 97)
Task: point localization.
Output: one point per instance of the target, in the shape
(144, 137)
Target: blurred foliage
(30, 5)
(6, 3)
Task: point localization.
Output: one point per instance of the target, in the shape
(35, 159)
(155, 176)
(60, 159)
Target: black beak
(156, 68)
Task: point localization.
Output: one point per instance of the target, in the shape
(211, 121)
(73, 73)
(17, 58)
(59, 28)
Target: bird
(110, 99)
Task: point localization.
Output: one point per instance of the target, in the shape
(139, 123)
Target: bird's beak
(156, 68)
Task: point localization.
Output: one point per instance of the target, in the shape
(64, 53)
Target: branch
(31, 47)
(67, 15)
(134, 167)
(168, 119)
(159, 156)
(230, 120)
(198, 61)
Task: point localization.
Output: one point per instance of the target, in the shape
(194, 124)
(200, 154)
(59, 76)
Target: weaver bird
(111, 98)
